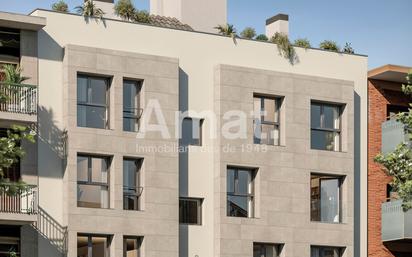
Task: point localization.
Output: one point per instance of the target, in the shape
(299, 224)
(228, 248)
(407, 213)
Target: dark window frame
(199, 203)
(138, 188)
(90, 243)
(322, 122)
(90, 181)
(340, 249)
(88, 104)
(235, 193)
(200, 139)
(137, 112)
(139, 243)
(262, 245)
(276, 124)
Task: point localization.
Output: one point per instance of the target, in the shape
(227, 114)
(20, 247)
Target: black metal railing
(18, 98)
(16, 200)
(52, 230)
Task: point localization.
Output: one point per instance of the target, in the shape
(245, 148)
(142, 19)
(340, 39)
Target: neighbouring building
(288, 186)
(389, 228)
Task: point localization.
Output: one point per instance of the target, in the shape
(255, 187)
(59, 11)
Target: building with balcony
(281, 185)
(388, 224)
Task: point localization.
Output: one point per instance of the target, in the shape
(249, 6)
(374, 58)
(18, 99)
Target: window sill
(328, 223)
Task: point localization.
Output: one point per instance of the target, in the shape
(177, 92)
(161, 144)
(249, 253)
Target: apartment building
(388, 225)
(285, 182)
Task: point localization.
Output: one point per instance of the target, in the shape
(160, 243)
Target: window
(266, 122)
(240, 189)
(266, 250)
(92, 102)
(92, 182)
(326, 251)
(191, 131)
(325, 198)
(190, 211)
(131, 105)
(131, 184)
(325, 127)
(131, 246)
(93, 246)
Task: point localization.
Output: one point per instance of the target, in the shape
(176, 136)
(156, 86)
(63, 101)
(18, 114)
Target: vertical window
(190, 211)
(326, 251)
(131, 105)
(326, 198)
(131, 184)
(240, 198)
(93, 245)
(131, 246)
(191, 131)
(92, 182)
(266, 121)
(325, 127)
(266, 250)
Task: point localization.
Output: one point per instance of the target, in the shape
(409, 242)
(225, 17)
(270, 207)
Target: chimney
(201, 15)
(107, 7)
(278, 23)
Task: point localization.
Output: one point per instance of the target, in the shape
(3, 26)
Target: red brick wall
(377, 179)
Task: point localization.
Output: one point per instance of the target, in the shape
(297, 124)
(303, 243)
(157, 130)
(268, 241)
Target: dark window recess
(240, 192)
(131, 184)
(191, 132)
(132, 111)
(92, 102)
(393, 110)
(326, 251)
(9, 44)
(132, 246)
(266, 250)
(325, 127)
(93, 245)
(326, 198)
(266, 121)
(190, 211)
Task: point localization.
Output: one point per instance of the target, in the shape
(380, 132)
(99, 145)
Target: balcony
(18, 205)
(393, 134)
(18, 102)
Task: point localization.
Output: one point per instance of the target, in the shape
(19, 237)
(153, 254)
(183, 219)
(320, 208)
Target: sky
(381, 29)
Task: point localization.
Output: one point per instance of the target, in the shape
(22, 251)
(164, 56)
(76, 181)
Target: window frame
(139, 241)
(200, 139)
(341, 180)
(87, 104)
(322, 123)
(276, 124)
(137, 115)
(90, 243)
(138, 188)
(250, 196)
(264, 245)
(199, 205)
(340, 249)
(90, 182)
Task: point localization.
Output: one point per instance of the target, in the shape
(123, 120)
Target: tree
(348, 49)
(302, 42)
(285, 48)
(60, 6)
(329, 45)
(12, 76)
(141, 16)
(398, 164)
(227, 30)
(125, 9)
(262, 37)
(89, 9)
(248, 33)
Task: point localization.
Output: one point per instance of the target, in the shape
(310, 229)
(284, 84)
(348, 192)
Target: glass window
(325, 126)
(240, 192)
(190, 211)
(92, 102)
(326, 198)
(92, 182)
(131, 184)
(266, 250)
(131, 246)
(93, 246)
(131, 105)
(266, 120)
(326, 251)
(191, 131)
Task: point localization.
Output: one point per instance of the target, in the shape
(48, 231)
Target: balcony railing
(396, 223)
(18, 98)
(393, 133)
(18, 201)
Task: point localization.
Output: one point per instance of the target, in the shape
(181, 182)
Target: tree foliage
(302, 42)
(348, 49)
(141, 16)
(60, 6)
(262, 37)
(227, 30)
(398, 164)
(248, 33)
(13, 74)
(89, 9)
(285, 47)
(329, 45)
(125, 9)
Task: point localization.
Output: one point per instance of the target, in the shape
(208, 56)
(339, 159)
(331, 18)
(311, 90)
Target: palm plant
(141, 16)
(125, 9)
(329, 45)
(248, 33)
(302, 42)
(13, 74)
(348, 49)
(285, 48)
(89, 9)
(60, 6)
(262, 37)
(227, 30)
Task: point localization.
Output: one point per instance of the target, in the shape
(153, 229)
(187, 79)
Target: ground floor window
(266, 250)
(131, 246)
(93, 245)
(326, 251)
